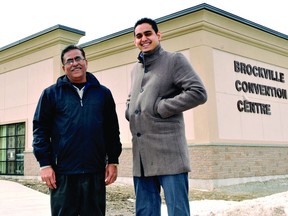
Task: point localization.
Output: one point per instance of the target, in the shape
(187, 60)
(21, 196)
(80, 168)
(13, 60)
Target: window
(12, 146)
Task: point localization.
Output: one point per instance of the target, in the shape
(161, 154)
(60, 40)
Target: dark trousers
(83, 194)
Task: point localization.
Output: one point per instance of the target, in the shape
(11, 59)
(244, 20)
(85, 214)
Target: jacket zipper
(80, 93)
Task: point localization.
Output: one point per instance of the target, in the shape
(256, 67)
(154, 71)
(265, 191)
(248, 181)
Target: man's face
(145, 38)
(75, 66)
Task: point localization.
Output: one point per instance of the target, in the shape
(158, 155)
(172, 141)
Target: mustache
(77, 67)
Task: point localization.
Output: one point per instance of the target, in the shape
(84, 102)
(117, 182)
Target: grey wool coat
(164, 84)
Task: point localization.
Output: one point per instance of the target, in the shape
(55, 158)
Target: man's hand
(111, 173)
(48, 177)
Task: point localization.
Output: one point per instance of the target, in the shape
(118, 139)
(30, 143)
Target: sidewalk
(16, 199)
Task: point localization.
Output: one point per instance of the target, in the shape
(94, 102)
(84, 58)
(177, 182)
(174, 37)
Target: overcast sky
(22, 18)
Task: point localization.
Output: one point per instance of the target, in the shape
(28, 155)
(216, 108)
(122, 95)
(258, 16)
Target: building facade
(239, 135)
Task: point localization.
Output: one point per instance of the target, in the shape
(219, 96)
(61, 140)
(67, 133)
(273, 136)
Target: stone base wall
(226, 161)
(125, 163)
(212, 165)
(237, 161)
(31, 166)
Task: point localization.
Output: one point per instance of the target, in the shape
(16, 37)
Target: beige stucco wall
(25, 70)
(226, 146)
(248, 127)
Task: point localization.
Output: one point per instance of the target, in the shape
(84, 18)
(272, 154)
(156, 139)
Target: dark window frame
(12, 147)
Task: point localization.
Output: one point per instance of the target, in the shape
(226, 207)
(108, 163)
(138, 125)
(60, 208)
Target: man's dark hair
(149, 21)
(71, 47)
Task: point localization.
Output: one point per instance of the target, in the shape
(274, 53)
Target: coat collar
(148, 58)
(91, 80)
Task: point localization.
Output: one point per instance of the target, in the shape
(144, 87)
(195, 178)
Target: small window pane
(3, 155)
(2, 167)
(19, 168)
(20, 142)
(21, 129)
(3, 130)
(19, 155)
(11, 154)
(11, 168)
(3, 141)
(11, 130)
(11, 142)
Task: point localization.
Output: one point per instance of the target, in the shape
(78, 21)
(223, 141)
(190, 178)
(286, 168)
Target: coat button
(138, 134)
(137, 112)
